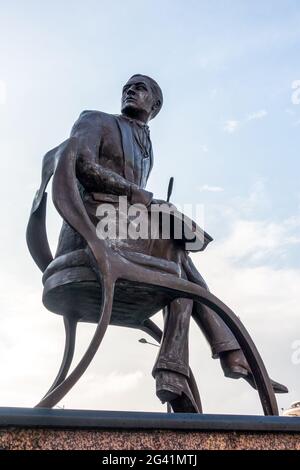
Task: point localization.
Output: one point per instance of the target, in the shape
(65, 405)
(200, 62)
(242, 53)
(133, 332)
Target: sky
(228, 133)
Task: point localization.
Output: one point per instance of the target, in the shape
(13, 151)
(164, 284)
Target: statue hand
(140, 196)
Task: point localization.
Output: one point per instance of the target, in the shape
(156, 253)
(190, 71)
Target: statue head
(142, 98)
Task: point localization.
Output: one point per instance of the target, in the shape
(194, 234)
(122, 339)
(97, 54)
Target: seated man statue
(115, 159)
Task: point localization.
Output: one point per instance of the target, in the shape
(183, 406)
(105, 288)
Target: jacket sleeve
(87, 130)
(91, 174)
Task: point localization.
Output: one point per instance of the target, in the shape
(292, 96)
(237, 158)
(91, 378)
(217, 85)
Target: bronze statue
(108, 156)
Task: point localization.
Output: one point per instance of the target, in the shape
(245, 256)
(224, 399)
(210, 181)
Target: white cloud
(204, 148)
(213, 189)
(231, 126)
(3, 92)
(257, 115)
(290, 111)
(296, 94)
(258, 240)
(257, 199)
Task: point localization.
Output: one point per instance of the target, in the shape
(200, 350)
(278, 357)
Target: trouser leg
(174, 351)
(216, 332)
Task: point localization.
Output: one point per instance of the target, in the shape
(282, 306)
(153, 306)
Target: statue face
(137, 99)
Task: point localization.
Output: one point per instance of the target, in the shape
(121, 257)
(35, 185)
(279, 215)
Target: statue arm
(92, 175)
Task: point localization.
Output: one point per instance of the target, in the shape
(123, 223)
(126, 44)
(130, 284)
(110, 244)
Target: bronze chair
(115, 290)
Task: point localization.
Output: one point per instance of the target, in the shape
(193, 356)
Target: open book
(178, 226)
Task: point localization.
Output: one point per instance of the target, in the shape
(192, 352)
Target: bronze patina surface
(126, 281)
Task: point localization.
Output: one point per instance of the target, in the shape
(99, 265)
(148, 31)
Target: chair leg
(194, 389)
(262, 380)
(63, 388)
(70, 331)
(155, 332)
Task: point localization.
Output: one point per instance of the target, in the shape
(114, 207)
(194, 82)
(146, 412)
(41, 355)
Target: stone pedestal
(28, 429)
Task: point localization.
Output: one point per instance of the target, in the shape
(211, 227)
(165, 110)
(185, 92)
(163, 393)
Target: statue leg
(171, 370)
(217, 334)
(180, 288)
(155, 332)
(174, 353)
(221, 340)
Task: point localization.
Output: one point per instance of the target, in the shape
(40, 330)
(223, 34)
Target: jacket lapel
(128, 150)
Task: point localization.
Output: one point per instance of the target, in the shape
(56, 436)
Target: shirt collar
(136, 121)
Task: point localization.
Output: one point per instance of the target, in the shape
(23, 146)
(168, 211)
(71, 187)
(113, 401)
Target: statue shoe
(235, 366)
(173, 387)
